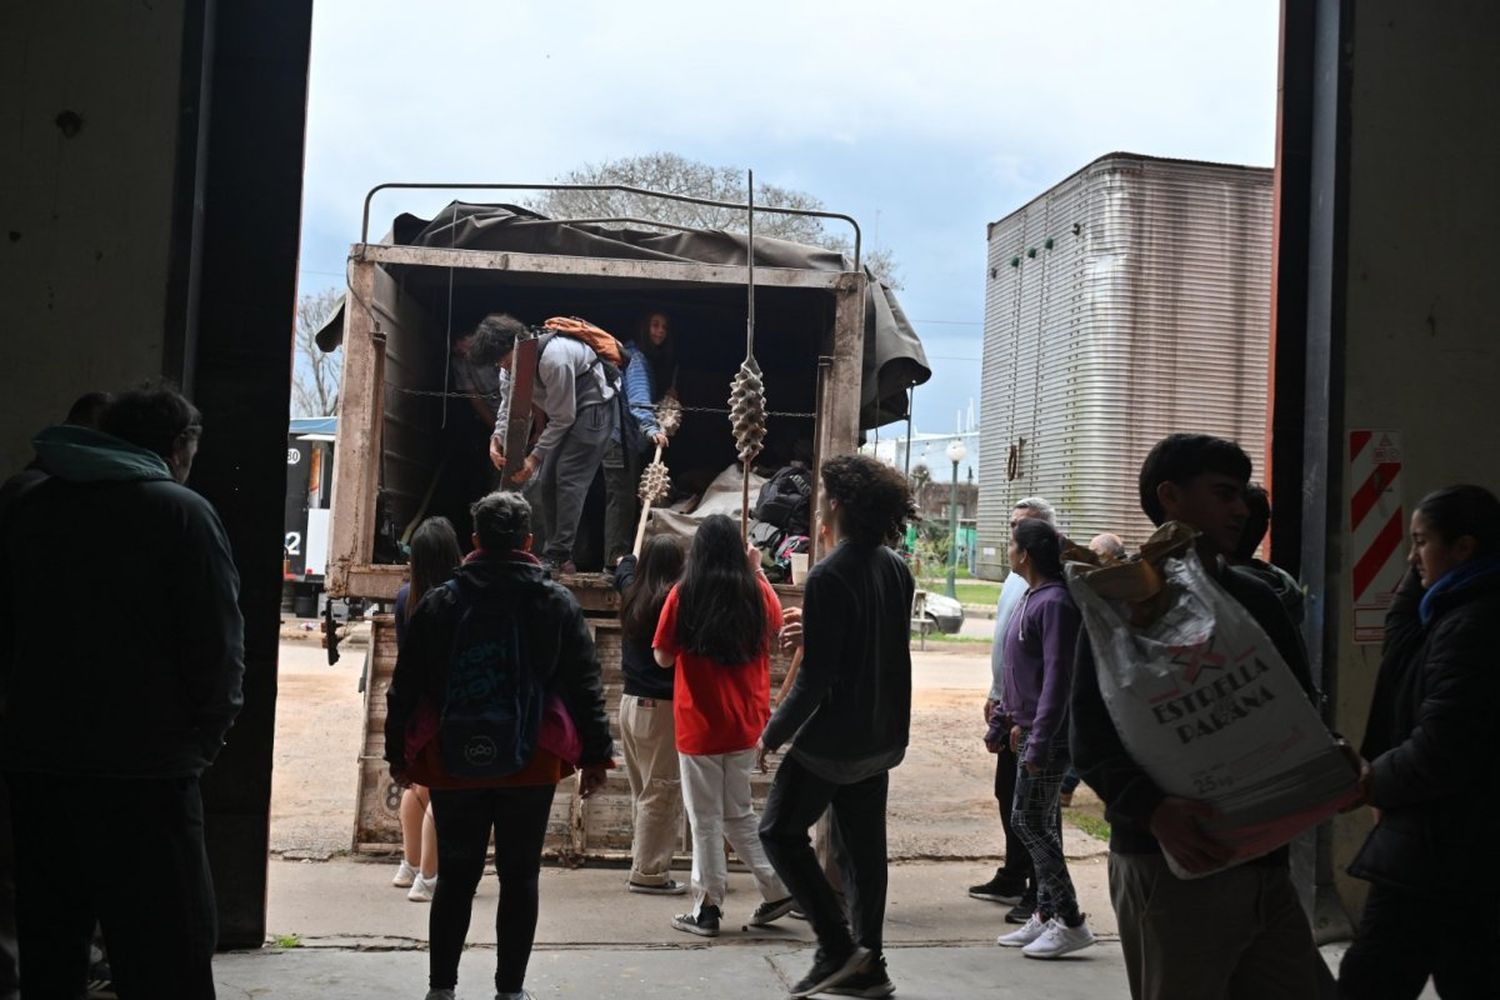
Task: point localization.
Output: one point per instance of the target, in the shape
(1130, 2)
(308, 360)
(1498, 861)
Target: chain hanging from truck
(747, 395)
(656, 484)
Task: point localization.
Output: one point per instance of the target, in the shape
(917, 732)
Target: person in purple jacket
(1039, 646)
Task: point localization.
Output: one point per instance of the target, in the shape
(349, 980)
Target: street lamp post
(956, 454)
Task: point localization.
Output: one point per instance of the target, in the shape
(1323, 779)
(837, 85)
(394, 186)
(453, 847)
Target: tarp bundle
(894, 359)
(1203, 701)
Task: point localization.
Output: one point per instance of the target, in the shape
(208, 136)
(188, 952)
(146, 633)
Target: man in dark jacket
(121, 658)
(850, 712)
(500, 600)
(1242, 932)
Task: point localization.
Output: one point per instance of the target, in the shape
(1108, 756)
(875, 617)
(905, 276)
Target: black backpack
(492, 709)
(785, 500)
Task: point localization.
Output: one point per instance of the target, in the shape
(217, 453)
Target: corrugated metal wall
(1148, 313)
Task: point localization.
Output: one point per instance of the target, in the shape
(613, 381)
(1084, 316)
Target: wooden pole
(640, 531)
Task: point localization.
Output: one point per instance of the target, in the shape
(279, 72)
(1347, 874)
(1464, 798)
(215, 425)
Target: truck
(309, 482)
(839, 357)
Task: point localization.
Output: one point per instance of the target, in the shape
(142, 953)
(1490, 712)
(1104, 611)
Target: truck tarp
(894, 359)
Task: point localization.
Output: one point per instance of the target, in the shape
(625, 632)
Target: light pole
(956, 454)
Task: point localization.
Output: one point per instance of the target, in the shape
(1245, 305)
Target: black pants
(128, 853)
(798, 797)
(464, 820)
(1404, 938)
(1017, 858)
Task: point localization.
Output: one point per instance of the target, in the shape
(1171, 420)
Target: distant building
(933, 500)
(1130, 301)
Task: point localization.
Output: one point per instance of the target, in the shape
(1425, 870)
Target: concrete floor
(720, 972)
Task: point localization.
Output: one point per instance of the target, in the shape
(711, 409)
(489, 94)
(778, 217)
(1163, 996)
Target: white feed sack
(1204, 703)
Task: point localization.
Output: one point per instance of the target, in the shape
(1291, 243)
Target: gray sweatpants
(561, 485)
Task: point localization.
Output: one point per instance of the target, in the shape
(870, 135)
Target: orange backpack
(603, 343)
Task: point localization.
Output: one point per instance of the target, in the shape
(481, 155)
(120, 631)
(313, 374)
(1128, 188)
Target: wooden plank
(355, 457)
(606, 269)
(839, 386)
(518, 421)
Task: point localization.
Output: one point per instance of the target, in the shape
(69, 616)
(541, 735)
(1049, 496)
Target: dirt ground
(941, 806)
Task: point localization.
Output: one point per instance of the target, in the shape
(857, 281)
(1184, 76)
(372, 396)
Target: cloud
(940, 116)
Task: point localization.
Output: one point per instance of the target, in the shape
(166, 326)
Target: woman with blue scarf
(1434, 903)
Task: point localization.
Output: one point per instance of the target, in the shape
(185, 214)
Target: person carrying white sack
(1240, 933)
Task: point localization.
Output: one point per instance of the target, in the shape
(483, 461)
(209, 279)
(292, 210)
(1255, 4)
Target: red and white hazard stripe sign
(1377, 528)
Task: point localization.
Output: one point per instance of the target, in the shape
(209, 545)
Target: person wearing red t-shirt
(716, 628)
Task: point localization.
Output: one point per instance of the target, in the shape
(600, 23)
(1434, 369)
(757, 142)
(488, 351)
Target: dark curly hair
(494, 338)
(874, 500)
(721, 613)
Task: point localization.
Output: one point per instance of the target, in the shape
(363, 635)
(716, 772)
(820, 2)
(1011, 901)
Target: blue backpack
(492, 712)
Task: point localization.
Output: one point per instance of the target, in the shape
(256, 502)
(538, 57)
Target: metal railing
(364, 228)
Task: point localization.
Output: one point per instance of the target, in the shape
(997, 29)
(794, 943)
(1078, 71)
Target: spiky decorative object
(669, 415)
(747, 411)
(656, 484)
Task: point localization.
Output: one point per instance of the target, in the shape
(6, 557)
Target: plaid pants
(1038, 822)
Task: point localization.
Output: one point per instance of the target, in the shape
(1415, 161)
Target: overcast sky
(925, 121)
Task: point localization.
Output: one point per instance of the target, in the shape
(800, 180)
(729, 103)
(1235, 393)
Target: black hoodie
(557, 638)
(121, 641)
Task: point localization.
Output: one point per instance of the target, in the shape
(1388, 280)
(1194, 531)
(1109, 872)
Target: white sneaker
(1029, 932)
(405, 875)
(1059, 939)
(422, 889)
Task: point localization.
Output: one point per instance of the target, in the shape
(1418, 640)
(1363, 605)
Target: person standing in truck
(113, 708)
(572, 390)
(650, 370)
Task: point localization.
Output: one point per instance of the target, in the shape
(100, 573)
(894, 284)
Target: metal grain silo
(1130, 301)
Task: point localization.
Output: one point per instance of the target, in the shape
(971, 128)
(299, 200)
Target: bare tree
(315, 375)
(674, 174)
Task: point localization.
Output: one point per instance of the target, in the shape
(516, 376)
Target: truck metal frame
(368, 315)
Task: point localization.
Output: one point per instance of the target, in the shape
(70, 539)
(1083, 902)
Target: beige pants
(716, 791)
(1237, 935)
(650, 739)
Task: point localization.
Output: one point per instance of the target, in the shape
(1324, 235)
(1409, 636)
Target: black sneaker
(1022, 911)
(1005, 887)
(769, 912)
(705, 924)
(870, 981)
(829, 971)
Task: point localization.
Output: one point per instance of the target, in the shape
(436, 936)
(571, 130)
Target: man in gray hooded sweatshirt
(121, 658)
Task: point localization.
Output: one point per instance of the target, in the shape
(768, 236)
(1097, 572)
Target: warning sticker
(1377, 528)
